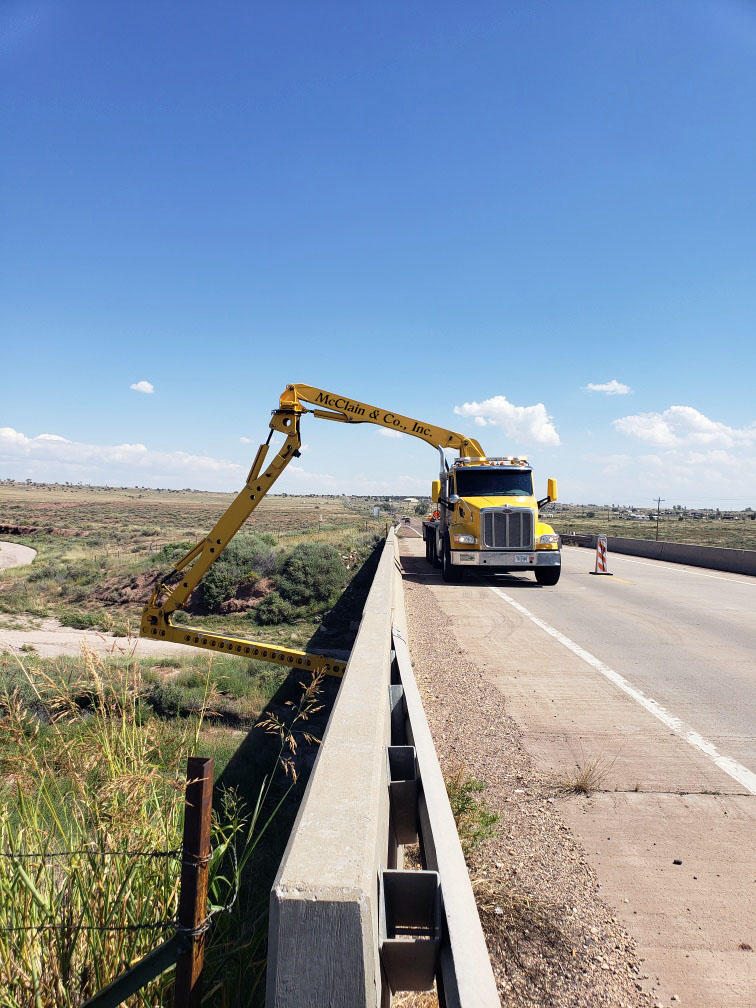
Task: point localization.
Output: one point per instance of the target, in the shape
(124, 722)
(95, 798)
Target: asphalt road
(649, 676)
(683, 636)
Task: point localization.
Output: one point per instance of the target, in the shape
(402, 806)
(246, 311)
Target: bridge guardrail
(723, 558)
(348, 925)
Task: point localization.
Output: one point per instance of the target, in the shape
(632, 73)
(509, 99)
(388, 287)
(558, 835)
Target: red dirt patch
(247, 597)
(128, 591)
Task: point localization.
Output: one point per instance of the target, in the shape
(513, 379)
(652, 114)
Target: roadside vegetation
(93, 749)
(476, 822)
(90, 761)
(100, 553)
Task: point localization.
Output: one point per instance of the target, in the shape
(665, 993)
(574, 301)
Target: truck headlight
(548, 539)
(467, 540)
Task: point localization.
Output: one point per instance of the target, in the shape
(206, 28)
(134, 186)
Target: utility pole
(658, 509)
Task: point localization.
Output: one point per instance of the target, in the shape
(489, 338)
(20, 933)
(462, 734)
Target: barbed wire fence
(191, 923)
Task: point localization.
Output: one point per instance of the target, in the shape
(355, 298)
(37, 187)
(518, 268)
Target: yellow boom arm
(166, 599)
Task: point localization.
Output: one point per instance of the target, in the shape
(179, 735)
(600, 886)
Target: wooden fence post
(195, 857)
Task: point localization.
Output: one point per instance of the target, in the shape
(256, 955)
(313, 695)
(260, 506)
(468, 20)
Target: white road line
(735, 770)
(678, 569)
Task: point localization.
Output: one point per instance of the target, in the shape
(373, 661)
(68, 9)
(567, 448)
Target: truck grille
(508, 530)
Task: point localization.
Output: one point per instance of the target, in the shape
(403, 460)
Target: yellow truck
(488, 521)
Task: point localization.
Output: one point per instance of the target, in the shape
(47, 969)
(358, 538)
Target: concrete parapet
(736, 561)
(323, 932)
(346, 924)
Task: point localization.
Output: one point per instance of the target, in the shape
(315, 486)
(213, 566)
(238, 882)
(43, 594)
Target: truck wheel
(547, 575)
(447, 568)
(428, 550)
(435, 562)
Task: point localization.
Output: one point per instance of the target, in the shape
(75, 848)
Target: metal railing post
(192, 914)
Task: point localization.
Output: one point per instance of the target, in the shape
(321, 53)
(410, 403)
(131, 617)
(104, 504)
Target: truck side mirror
(551, 489)
(435, 490)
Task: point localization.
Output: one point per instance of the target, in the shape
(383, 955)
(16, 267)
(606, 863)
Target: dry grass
(428, 999)
(511, 909)
(100, 777)
(589, 775)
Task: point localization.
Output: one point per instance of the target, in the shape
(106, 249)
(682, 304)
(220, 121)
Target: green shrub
(172, 552)
(168, 663)
(252, 554)
(476, 823)
(311, 573)
(42, 572)
(272, 609)
(80, 620)
(21, 600)
(170, 699)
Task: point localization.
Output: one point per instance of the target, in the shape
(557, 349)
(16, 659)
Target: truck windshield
(494, 482)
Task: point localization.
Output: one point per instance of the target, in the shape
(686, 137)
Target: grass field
(92, 748)
(99, 549)
(737, 534)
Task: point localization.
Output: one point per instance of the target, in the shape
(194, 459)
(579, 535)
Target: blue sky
(426, 206)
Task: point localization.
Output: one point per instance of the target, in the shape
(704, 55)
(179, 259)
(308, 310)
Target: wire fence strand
(169, 922)
(48, 855)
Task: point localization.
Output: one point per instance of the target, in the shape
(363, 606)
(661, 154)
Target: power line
(658, 509)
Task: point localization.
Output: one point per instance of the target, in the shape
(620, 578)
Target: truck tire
(447, 568)
(547, 575)
(435, 562)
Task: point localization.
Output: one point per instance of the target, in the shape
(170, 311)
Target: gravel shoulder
(15, 555)
(552, 940)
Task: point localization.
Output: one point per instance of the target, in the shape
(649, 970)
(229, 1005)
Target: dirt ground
(15, 555)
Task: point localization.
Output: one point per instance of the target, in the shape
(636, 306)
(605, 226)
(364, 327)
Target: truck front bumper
(501, 560)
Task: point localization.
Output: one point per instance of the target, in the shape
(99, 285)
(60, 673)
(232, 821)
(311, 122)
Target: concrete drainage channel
(349, 926)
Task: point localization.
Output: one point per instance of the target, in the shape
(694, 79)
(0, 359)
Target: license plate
(525, 558)
(467, 558)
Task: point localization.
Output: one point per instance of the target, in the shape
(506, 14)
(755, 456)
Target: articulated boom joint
(166, 599)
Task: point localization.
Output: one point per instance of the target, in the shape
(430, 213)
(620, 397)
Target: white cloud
(298, 480)
(245, 440)
(685, 426)
(386, 432)
(295, 472)
(648, 427)
(52, 458)
(612, 387)
(143, 386)
(525, 423)
(612, 465)
(692, 456)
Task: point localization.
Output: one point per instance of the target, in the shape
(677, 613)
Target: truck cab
(489, 521)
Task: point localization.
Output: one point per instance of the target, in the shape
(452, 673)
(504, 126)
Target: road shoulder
(552, 939)
(656, 801)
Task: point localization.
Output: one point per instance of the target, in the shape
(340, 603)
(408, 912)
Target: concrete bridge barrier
(736, 561)
(348, 925)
